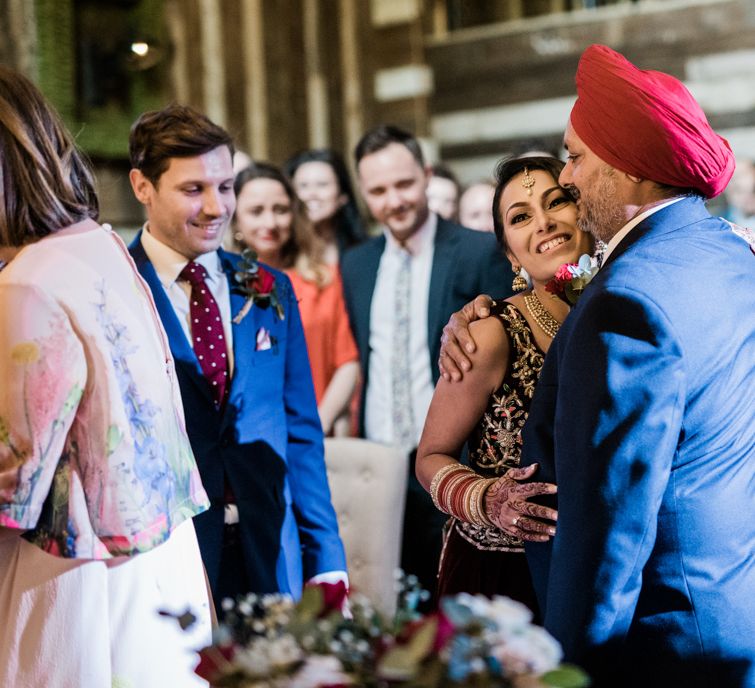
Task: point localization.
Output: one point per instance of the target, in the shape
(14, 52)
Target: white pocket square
(263, 339)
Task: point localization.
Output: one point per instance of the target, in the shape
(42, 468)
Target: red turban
(647, 124)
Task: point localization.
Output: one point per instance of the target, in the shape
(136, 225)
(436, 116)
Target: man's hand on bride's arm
(507, 507)
(456, 339)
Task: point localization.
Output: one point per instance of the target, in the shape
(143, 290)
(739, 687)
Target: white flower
(477, 604)
(319, 670)
(263, 657)
(532, 650)
(509, 615)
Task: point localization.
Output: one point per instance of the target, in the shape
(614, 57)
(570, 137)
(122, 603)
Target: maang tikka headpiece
(528, 181)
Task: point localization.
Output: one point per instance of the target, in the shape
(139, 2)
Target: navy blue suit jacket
(644, 416)
(465, 264)
(267, 441)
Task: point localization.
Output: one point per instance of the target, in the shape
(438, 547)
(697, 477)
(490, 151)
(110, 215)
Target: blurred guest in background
(443, 192)
(98, 484)
(322, 182)
(740, 194)
(400, 289)
(476, 207)
(271, 220)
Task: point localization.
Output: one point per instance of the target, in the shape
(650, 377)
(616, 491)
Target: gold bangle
(481, 502)
(475, 510)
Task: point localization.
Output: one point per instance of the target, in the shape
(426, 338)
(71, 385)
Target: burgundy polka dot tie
(207, 331)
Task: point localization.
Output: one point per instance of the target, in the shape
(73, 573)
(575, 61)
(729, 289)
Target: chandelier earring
(519, 283)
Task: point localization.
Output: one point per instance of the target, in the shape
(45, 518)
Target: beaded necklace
(541, 315)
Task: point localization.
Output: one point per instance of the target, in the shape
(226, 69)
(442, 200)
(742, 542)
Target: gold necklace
(540, 313)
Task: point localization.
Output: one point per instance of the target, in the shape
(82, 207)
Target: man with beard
(644, 414)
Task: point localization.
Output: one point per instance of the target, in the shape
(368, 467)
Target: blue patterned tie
(401, 382)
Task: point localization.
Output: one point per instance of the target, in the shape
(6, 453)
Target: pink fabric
(648, 124)
(86, 431)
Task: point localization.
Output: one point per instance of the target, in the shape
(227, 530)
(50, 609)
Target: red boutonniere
(571, 279)
(258, 284)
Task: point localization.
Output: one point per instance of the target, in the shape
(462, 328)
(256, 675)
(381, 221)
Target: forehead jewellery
(528, 181)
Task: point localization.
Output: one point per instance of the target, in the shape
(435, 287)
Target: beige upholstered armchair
(368, 484)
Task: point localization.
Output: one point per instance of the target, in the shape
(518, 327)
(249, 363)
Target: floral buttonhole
(257, 284)
(571, 279)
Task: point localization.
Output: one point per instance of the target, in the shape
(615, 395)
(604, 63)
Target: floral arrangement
(269, 641)
(257, 284)
(571, 279)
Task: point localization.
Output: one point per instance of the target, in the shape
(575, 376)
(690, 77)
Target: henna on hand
(507, 508)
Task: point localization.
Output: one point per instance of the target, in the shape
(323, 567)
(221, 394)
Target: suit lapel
(244, 333)
(182, 351)
(365, 288)
(443, 257)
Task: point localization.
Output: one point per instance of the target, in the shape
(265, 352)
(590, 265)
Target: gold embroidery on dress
(495, 445)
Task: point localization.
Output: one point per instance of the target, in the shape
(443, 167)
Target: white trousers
(67, 623)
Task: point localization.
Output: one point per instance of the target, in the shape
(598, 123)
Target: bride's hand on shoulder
(508, 508)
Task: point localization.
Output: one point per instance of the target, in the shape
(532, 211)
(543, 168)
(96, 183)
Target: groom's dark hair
(176, 131)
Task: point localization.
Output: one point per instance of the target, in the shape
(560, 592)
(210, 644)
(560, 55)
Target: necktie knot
(194, 273)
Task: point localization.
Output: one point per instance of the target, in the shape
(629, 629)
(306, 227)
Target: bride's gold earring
(519, 283)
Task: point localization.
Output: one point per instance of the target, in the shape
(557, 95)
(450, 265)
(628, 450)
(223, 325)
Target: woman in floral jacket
(97, 480)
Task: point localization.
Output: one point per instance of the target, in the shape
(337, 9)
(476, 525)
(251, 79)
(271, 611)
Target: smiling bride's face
(541, 228)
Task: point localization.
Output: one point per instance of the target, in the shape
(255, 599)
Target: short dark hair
(506, 170)
(46, 183)
(176, 131)
(383, 136)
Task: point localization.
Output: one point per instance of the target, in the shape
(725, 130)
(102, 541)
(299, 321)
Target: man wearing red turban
(644, 413)
(645, 409)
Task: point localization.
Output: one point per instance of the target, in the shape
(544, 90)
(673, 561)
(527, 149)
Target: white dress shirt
(168, 264)
(378, 400)
(629, 226)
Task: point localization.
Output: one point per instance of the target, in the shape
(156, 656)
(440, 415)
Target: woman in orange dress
(271, 221)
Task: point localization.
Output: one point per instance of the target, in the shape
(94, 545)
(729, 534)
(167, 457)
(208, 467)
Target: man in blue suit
(400, 288)
(644, 414)
(244, 376)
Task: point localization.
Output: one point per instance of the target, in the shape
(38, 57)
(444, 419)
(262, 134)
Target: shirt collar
(629, 226)
(168, 262)
(418, 242)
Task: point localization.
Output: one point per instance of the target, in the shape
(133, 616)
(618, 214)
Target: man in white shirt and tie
(400, 289)
(244, 373)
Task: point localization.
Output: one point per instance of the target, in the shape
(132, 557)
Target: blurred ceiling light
(140, 48)
(144, 54)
